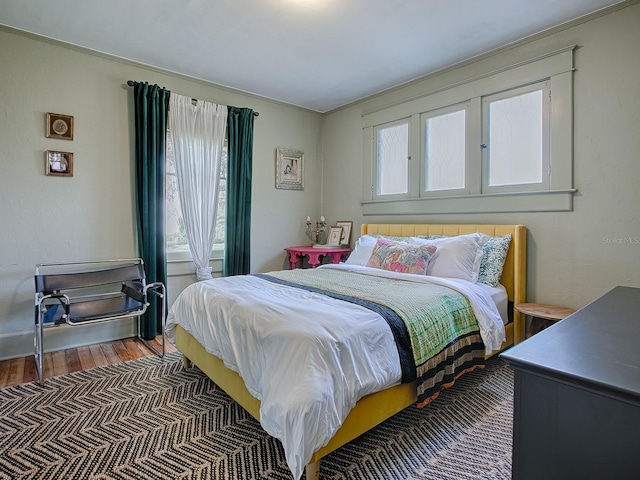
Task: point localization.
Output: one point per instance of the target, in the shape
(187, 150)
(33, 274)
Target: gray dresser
(577, 394)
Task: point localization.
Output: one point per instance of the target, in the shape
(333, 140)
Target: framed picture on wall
(289, 169)
(59, 163)
(345, 238)
(59, 126)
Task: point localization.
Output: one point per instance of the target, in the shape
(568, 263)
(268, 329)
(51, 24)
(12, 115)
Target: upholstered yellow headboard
(514, 274)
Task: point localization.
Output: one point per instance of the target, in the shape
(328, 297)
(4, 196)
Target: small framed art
(289, 169)
(345, 238)
(59, 126)
(59, 163)
(333, 240)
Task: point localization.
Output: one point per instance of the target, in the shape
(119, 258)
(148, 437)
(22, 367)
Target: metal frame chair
(80, 293)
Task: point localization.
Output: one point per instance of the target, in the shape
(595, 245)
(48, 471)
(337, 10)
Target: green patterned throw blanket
(444, 337)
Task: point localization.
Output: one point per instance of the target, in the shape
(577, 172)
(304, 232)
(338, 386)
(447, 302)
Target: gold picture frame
(289, 169)
(345, 238)
(59, 164)
(333, 239)
(59, 126)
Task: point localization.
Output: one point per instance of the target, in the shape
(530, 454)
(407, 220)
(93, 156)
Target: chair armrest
(154, 287)
(62, 299)
(132, 291)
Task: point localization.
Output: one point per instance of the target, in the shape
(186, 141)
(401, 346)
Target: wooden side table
(542, 315)
(314, 254)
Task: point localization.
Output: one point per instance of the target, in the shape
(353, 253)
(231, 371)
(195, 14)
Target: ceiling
(317, 54)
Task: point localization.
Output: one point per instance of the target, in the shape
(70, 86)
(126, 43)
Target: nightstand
(315, 254)
(542, 315)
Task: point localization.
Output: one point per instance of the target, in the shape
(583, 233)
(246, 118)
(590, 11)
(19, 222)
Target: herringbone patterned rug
(150, 419)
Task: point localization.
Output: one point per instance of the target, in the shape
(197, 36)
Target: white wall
(92, 215)
(573, 257)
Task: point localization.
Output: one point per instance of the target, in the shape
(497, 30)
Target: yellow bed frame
(377, 407)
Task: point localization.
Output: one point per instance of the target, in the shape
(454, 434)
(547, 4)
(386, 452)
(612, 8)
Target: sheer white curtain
(197, 133)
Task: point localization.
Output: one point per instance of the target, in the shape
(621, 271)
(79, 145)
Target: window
(499, 142)
(177, 246)
(445, 158)
(516, 139)
(392, 154)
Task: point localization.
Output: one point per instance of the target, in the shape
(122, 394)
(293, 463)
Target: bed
(373, 408)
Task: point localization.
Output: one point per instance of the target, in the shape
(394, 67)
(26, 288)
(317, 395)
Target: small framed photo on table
(59, 163)
(334, 236)
(345, 238)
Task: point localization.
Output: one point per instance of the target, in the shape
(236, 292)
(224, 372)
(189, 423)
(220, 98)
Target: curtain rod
(131, 83)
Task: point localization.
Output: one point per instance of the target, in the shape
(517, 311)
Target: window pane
(515, 140)
(176, 236)
(445, 152)
(218, 241)
(393, 159)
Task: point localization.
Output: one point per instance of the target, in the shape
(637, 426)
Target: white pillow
(362, 251)
(456, 257)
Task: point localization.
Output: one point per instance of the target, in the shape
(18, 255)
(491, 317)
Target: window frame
(376, 174)
(543, 185)
(556, 68)
(468, 178)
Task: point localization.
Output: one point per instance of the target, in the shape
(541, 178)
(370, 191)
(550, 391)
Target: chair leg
(149, 346)
(161, 297)
(38, 347)
(152, 348)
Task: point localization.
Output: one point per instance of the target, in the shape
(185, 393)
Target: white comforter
(308, 358)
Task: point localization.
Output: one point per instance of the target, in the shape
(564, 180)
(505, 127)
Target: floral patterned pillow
(401, 257)
(494, 254)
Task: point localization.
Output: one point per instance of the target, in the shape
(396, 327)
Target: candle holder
(317, 235)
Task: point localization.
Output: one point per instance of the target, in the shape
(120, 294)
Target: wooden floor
(23, 370)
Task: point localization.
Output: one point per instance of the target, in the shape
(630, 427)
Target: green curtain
(237, 256)
(151, 108)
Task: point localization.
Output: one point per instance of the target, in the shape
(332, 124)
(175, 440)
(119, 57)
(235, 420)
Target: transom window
(392, 153)
(445, 150)
(516, 138)
(491, 144)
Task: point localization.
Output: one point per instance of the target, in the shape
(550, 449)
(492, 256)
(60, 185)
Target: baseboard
(20, 344)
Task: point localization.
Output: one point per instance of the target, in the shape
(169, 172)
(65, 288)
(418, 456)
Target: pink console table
(336, 255)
